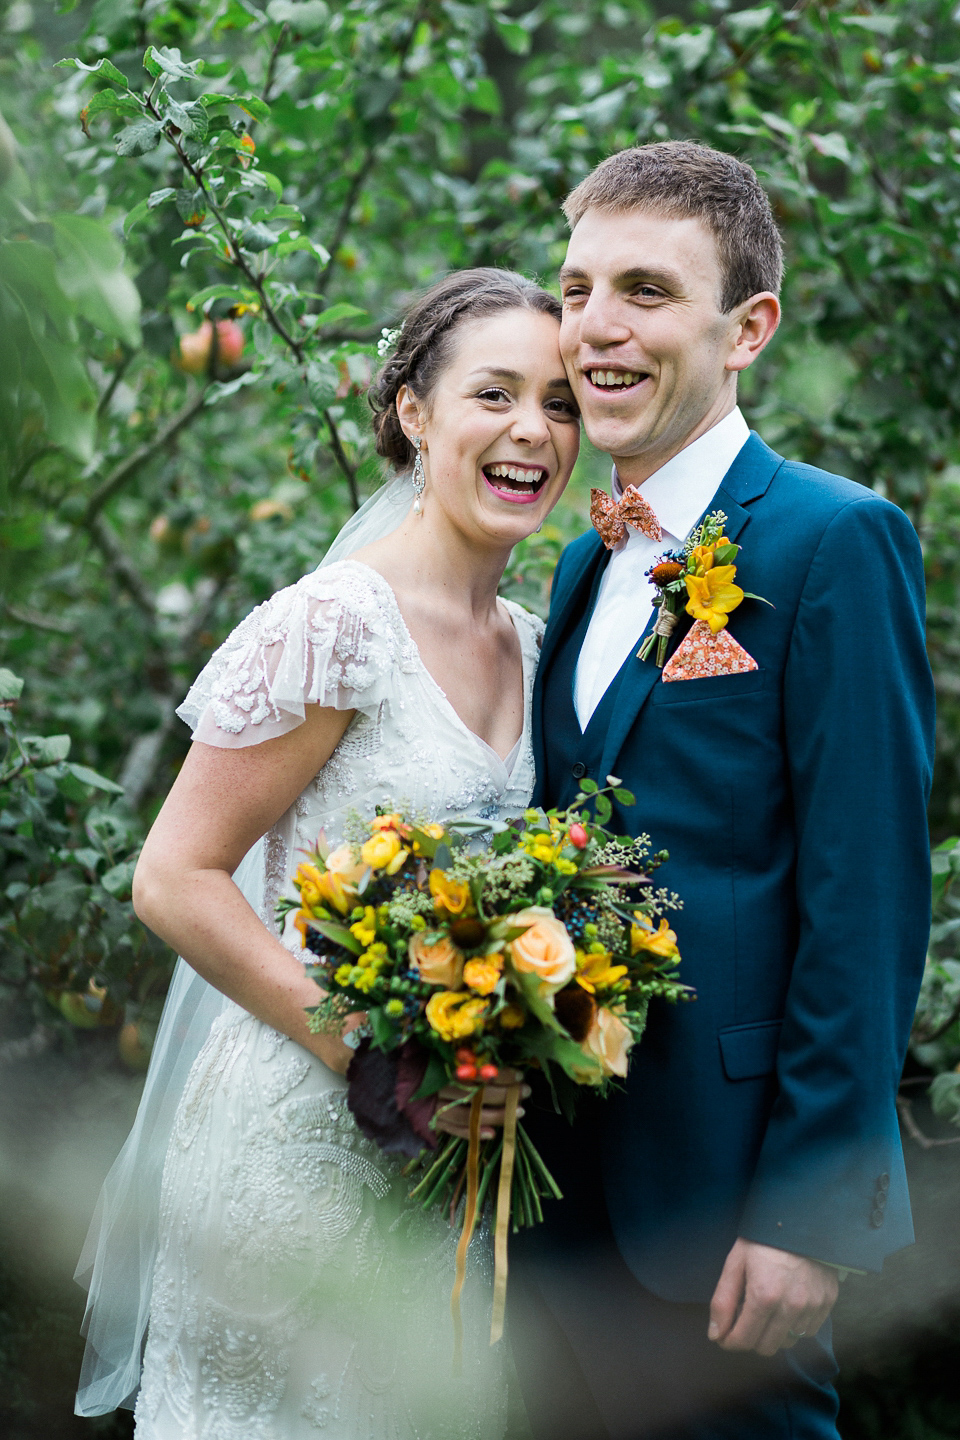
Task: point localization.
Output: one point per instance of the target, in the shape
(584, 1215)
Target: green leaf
(122, 104)
(167, 61)
(103, 67)
(258, 238)
(191, 119)
(624, 797)
(386, 1036)
(191, 206)
(160, 197)
(252, 104)
(140, 138)
(11, 686)
(603, 808)
(588, 786)
(515, 37)
(92, 778)
(339, 934)
(239, 294)
(340, 311)
(726, 554)
(118, 880)
(434, 1079)
(220, 389)
(91, 273)
(46, 749)
(303, 16)
(138, 213)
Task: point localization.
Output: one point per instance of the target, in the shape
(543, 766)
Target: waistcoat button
(579, 770)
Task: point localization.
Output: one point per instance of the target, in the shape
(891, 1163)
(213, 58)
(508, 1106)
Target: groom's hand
(767, 1299)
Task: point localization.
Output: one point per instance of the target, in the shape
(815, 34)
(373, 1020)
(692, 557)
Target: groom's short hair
(681, 179)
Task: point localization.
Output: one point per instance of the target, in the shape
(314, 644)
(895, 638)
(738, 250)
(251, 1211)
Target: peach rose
(609, 1042)
(439, 964)
(344, 863)
(544, 949)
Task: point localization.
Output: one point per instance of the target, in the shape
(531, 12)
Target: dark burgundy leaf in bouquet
(411, 1068)
(372, 1097)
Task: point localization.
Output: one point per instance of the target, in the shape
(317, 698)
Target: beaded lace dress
(298, 1293)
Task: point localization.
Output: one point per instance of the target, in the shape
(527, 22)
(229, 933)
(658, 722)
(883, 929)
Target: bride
(286, 1285)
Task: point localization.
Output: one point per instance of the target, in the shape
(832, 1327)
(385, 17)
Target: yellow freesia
(704, 556)
(713, 596)
(455, 1014)
(366, 929)
(595, 970)
(643, 936)
(335, 893)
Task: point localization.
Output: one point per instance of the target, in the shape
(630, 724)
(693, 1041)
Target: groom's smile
(651, 356)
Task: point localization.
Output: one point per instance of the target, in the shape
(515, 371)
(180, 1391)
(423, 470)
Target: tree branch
(926, 1142)
(349, 470)
(272, 65)
(23, 616)
(118, 374)
(346, 215)
(139, 457)
(121, 566)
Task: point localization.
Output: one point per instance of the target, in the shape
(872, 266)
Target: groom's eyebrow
(639, 274)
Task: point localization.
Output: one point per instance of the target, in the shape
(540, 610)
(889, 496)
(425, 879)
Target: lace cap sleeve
(331, 639)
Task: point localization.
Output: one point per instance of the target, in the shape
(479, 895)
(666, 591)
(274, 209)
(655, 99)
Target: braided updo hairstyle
(425, 342)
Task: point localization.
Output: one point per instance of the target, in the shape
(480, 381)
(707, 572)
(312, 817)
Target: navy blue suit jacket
(792, 800)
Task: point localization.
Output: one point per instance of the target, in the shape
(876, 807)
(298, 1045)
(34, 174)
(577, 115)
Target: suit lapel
(747, 479)
(576, 592)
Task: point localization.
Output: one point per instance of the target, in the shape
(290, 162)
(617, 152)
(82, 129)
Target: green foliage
(936, 1029)
(70, 943)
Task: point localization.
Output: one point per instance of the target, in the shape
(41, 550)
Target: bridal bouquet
(476, 947)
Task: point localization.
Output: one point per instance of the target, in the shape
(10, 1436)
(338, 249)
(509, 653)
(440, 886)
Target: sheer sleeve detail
(334, 638)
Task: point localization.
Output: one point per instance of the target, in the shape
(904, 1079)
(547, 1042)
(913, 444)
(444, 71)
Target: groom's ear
(409, 412)
(754, 325)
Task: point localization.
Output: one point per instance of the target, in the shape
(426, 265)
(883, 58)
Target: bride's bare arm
(223, 800)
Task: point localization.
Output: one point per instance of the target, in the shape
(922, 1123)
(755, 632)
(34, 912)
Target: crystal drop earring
(419, 478)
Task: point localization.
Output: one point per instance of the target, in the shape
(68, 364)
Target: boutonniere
(703, 572)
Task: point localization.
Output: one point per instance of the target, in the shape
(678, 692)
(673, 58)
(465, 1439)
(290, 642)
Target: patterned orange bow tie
(610, 518)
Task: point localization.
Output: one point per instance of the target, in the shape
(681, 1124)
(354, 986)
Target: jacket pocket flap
(749, 1050)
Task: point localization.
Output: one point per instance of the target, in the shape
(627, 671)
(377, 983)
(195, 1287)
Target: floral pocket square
(703, 654)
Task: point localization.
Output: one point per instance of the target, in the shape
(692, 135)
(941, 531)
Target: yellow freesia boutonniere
(705, 570)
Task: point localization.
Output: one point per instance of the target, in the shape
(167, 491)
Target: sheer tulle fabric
(336, 638)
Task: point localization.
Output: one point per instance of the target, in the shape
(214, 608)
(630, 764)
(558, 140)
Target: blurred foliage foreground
(209, 212)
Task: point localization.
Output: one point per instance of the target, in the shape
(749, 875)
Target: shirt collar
(680, 491)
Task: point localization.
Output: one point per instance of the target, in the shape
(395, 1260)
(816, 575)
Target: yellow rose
(439, 964)
(452, 895)
(544, 949)
(609, 1042)
(385, 822)
(482, 975)
(380, 849)
(454, 1016)
(662, 941)
(343, 862)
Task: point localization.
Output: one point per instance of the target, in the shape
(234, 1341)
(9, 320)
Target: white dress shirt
(678, 493)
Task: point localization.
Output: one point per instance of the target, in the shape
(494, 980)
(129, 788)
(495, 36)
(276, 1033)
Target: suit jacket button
(579, 770)
(883, 1183)
(876, 1218)
(880, 1200)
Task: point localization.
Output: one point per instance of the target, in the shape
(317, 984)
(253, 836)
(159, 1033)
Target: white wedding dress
(297, 1292)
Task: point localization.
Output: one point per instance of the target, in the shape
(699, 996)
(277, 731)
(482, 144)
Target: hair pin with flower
(387, 341)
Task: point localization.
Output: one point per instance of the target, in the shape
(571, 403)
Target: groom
(683, 1286)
